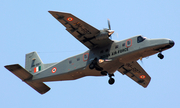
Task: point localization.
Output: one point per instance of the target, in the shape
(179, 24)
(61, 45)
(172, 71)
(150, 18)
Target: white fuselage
(114, 56)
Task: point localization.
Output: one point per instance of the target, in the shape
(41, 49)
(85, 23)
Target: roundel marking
(70, 19)
(54, 69)
(142, 76)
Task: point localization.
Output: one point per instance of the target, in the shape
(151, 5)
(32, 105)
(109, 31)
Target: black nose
(171, 42)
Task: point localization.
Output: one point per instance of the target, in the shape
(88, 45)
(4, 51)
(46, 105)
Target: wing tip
(51, 12)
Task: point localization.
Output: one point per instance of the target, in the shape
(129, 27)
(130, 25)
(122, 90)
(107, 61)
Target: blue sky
(26, 26)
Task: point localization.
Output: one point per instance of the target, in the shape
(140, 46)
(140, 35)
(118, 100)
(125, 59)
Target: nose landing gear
(160, 55)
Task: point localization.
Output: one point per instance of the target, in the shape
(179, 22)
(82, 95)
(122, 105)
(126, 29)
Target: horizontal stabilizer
(39, 87)
(19, 71)
(24, 75)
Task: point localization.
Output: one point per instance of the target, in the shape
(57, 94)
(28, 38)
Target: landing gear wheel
(104, 72)
(91, 66)
(111, 81)
(160, 55)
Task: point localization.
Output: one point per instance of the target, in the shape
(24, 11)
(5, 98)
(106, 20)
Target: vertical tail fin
(33, 63)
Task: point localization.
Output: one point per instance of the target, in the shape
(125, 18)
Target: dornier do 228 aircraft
(104, 57)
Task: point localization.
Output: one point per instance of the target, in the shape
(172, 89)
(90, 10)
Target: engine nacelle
(102, 35)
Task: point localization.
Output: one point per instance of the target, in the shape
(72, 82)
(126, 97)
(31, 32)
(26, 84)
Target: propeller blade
(109, 24)
(110, 32)
(116, 34)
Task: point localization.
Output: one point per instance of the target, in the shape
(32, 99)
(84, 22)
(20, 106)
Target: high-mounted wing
(134, 71)
(82, 31)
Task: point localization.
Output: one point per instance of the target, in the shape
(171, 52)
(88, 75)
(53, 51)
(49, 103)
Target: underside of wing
(134, 71)
(82, 31)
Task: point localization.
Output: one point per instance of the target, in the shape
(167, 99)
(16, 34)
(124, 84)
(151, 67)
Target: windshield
(140, 39)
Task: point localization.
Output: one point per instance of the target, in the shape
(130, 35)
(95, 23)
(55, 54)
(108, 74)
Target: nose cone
(171, 42)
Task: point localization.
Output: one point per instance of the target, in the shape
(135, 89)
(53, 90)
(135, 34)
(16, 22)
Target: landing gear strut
(104, 72)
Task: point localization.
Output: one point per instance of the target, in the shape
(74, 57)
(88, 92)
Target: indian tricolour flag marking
(36, 69)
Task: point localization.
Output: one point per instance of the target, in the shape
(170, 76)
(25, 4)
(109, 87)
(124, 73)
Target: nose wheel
(160, 55)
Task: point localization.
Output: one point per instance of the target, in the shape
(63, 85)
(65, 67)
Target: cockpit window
(140, 39)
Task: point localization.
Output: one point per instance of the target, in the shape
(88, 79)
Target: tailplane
(25, 76)
(33, 65)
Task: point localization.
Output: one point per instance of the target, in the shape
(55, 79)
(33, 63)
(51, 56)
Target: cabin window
(85, 57)
(116, 46)
(140, 39)
(70, 61)
(129, 42)
(123, 44)
(78, 59)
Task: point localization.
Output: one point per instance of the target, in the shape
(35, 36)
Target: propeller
(110, 32)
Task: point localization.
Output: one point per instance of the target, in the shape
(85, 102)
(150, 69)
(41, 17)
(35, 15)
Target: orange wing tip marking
(70, 19)
(142, 76)
(54, 69)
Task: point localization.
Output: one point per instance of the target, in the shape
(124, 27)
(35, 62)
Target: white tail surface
(33, 63)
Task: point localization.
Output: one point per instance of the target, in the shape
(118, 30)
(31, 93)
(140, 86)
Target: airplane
(104, 57)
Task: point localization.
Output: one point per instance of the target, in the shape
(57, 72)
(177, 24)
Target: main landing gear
(94, 65)
(111, 80)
